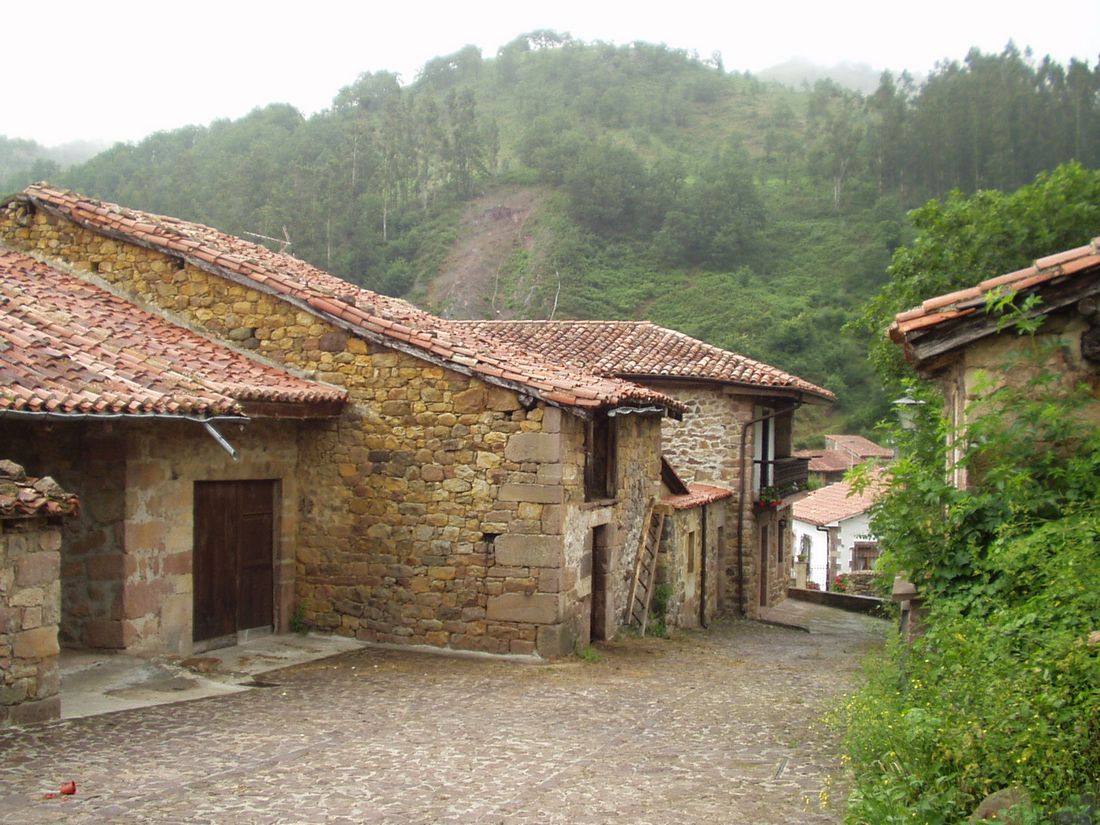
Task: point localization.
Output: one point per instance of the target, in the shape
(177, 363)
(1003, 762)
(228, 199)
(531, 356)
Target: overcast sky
(122, 70)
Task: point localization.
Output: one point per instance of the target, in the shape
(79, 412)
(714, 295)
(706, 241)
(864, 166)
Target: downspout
(208, 423)
(703, 572)
(741, 502)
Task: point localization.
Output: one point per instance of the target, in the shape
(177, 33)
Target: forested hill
(589, 180)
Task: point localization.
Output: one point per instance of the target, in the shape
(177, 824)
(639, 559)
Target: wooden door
(601, 574)
(233, 561)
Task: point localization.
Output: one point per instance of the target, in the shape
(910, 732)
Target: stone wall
(437, 509)
(126, 559)
(91, 462)
(684, 536)
(706, 447)
(30, 611)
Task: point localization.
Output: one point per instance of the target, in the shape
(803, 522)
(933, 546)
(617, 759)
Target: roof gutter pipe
(741, 500)
(208, 423)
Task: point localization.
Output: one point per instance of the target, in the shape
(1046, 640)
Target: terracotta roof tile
(834, 503)
(22, 497)
(281, 274)
(639, 350)
(943, 308)
(68, 346)
(697, 496)
(858, 446)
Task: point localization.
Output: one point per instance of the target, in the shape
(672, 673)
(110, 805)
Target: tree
(962, 240)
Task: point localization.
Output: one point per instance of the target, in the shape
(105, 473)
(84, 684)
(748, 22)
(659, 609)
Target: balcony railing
(785, 474)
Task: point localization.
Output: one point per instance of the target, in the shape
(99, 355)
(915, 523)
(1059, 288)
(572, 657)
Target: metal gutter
(207, 422)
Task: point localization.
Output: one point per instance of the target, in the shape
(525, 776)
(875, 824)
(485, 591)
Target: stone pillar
(30, 609)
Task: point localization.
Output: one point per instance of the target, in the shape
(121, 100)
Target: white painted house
(832, 533)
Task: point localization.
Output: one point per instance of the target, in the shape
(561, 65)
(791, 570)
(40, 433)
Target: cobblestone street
(708, 727)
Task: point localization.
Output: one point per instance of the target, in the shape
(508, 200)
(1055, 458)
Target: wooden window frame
(599, 458)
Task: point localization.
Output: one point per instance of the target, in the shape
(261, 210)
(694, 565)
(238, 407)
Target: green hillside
(654, 185)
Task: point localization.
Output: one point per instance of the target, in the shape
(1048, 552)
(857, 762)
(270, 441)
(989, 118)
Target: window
(763, 450)
(599, 459)
(691, 551)
(864, 554)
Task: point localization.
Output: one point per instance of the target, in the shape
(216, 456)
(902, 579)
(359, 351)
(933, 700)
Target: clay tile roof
(389, 320)
(641, 349)
(22, 497)
(69, 347)
(834, 503)
(937, 310)
(697, 496)
(859, 446)
(827, 461)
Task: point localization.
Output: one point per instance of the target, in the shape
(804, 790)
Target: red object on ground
(68, 788)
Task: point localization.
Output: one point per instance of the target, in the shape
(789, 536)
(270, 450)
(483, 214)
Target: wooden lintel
(925, 348)
(298, 410)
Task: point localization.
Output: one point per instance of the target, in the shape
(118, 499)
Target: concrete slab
(97, 681)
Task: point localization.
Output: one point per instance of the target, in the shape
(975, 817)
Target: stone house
(694, 533)
(841, 454)
(832, 534)
(953, 341)
(31, 511)
(735, 434)
(419, 482)
(177, 542)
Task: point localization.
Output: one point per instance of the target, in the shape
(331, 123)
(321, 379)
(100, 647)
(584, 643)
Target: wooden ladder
(645, 567)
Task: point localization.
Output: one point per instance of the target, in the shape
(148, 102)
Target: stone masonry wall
(686, 578)
(164, 460)
(433, 510)
(637, 470)
(90, 461)
(706, 447)
(30, 611)
(126, 558)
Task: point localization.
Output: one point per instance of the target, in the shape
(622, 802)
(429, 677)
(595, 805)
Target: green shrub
(1004, 687)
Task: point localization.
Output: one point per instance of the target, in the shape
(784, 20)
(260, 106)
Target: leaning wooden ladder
(645, 567)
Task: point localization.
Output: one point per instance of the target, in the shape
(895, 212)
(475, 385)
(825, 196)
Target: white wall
(819, 549)
(848, 532)
(856, 528)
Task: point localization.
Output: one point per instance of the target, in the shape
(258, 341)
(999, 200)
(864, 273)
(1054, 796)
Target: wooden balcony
(785, 474)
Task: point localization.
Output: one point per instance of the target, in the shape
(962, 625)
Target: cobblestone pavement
(711, 727)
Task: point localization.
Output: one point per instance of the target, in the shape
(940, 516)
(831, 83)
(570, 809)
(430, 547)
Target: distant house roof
(948, 321)
(858, 446)
(389, 321)
(641, 349)
(68, 347)
(833, 503)
(827, 461)
(697, 496)
(23, 497)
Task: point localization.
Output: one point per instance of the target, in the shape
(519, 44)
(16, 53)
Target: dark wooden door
(233, 562)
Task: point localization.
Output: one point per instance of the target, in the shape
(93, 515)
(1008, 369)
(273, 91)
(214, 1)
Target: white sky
(121, 70)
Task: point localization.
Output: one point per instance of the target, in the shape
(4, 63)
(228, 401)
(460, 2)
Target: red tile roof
(391, 321)
(697, 496)
(834, 503)
(827, 461)
(964, 302)
(640, 350)
(858, 446)
(22, 497)
(69, 347)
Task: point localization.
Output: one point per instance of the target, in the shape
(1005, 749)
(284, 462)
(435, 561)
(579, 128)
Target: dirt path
(491, 229)
(721, 726)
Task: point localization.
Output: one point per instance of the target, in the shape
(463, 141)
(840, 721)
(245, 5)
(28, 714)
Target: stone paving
(708, 727)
